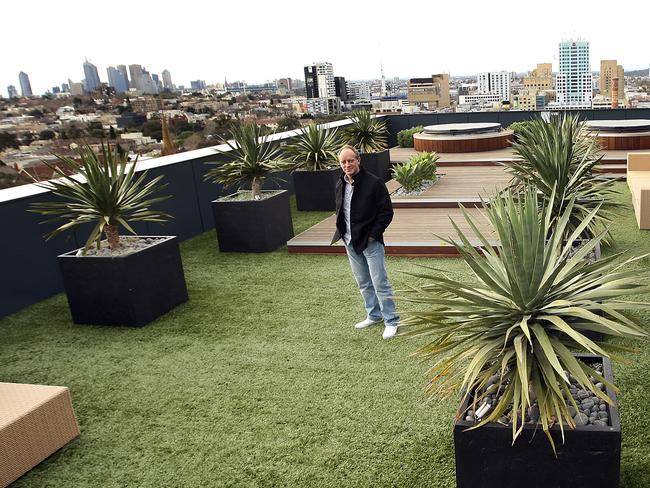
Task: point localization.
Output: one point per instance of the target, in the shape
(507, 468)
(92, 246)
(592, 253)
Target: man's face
(350, 164)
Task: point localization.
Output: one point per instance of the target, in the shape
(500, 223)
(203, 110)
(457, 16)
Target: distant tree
(76, 102)
(26, 138)
(71, 131)
(35, 113)
(95, 129)
(288, 123)
(8, 140)
(152, 128)
(111, 133)
(46, 135)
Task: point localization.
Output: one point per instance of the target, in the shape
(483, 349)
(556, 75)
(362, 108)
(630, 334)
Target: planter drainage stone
(590, 456)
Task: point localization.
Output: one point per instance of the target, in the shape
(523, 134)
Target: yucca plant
(252, 157)
(558, 158)
(419, 168)
(530, 307)
(315, 148)
(367, 133)
(103, 189)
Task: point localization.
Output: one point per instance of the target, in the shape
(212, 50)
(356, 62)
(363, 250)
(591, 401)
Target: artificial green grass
(261, 380)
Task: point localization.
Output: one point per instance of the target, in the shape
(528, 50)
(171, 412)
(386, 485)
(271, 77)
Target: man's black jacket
(370, 210)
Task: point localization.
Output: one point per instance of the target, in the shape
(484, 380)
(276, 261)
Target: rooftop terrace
(252, 384)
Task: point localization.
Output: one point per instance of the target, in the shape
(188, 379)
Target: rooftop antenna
(383, 77)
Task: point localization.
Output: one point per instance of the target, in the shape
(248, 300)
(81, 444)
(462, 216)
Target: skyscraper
(610, 69)
(25, 85)
(167, 80)
(116, 79)
(12, 92)
(340, 88)
(574, 80)
(319, 80)
(92, 76)
(135, 72)
(495, 83)
(122, 69)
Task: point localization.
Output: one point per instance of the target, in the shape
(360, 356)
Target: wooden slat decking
(456, 185)
(412, 233)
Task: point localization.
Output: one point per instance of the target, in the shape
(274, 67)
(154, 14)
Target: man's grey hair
(351, 148)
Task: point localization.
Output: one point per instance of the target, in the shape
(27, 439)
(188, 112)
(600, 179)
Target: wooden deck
(455, 186)
(412, 233)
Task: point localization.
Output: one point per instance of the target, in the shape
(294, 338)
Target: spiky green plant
(417, 169)
(252, 157)
(102, 189)
(531, 307)
(367, 133)
(315, 148)
(558, 158)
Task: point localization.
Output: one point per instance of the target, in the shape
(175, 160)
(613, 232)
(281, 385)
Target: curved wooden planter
(625, 142)
(129, 290)
(462, 144)
(590, 456)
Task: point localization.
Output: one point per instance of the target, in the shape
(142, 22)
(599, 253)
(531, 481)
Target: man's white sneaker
(366, 323)
(389, 331)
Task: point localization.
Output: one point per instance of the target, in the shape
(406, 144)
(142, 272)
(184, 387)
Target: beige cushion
(35, 422)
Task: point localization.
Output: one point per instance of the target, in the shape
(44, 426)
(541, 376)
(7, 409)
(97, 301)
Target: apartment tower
(574, 79)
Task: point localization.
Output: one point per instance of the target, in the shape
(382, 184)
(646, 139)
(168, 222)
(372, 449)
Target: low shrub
(405, 137)
(413, 172)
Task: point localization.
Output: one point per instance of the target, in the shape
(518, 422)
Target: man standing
(363, 211)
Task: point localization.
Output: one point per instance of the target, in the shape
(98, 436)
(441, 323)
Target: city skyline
(271, 42)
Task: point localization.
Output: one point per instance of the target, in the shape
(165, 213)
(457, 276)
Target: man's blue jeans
(369, 270)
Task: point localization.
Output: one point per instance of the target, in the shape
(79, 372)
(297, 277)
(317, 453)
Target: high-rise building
(319, 80)
(610, 69)
(285, 84)
(91, 76)
(116, 79)
(25, 85)
(65, 87)
(76, 89)
(430, 93)
(122, 69)
(167, 80)
(540, 79)
(358, 90)
(574, 79)
(197, 85)
(340, 89)
(157, 82)
(495, 83)
(56, 89)
(135, 75)
(12, 92)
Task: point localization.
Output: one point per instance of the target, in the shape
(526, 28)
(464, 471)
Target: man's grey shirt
(347, 201)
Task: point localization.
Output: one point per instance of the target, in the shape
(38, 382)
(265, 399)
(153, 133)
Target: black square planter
(315, 189)
(253, 225)
(590, 456)
(130, 290)
(378, 164)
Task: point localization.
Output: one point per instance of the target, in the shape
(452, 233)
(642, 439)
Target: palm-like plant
(558, 157)
(533, 304)
(315, 148)
(417, 169)
(367, 134)
(102, 189)
(252, 157)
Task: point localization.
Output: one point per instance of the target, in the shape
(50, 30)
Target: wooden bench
(35, 422)
(638, 179)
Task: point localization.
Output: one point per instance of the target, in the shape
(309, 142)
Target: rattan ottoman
(35, 421)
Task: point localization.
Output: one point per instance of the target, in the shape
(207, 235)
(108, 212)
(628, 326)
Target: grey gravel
(581, 419)
(128, 245)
